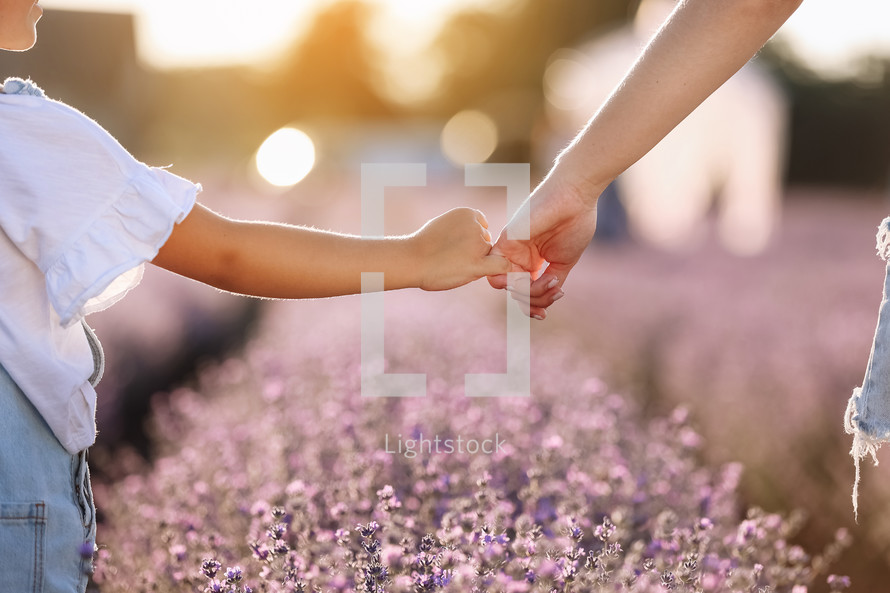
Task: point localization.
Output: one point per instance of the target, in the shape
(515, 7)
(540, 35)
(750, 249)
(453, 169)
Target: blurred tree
(328, 73)
(495, 61)
(204, 116)
(223, 114)
(487, 52)
(840, 129)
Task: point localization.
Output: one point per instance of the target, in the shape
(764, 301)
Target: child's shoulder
(31, 98)
(19, 86)
(32, 117)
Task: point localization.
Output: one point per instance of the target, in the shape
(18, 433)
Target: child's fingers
(483, 224)
(480, 218)
(495, 266)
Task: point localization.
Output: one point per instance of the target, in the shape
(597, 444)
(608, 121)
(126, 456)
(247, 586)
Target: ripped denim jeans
(868, 412)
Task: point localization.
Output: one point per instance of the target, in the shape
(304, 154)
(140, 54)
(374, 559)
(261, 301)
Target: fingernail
(558, 296)
(538, 317)
(552, 283)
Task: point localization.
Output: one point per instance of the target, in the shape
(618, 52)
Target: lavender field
(684, 433)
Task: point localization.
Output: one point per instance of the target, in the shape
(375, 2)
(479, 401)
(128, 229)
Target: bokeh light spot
(469, 137)
(565, 85)
(286, 157)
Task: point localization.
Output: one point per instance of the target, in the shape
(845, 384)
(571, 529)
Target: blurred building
(728, 156)
(88, 60)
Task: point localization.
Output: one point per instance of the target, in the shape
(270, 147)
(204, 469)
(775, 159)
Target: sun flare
(286, 157)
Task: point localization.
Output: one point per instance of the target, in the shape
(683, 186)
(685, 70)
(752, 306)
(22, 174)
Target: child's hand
(453, 249)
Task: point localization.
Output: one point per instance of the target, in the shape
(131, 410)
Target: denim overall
(47, 516)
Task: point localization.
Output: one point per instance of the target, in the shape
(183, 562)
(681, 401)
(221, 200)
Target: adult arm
(696, 50)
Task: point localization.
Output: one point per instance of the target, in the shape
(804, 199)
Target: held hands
(562, 225)
(454, 249)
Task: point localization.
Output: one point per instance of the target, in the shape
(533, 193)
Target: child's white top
(79, 217)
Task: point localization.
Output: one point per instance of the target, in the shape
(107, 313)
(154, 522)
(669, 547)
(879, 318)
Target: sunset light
(286, 157)
(469, 137)
(212, 32)
(173, 33)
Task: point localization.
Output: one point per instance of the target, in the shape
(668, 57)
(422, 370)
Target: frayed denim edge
(882, 240)
(863, 443)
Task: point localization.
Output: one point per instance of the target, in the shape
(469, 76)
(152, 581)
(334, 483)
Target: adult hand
(700, 45)
(562, 223)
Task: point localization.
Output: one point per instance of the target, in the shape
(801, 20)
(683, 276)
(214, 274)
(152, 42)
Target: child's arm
(282, 261)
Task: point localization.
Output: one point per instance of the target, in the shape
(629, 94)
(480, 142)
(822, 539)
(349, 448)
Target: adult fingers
(536, 306)
(537, 287)
(498, 281)
(539, 313)
(541, 293)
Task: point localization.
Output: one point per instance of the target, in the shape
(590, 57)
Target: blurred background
(734, 271)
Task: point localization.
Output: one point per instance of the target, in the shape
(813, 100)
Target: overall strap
(98, 355)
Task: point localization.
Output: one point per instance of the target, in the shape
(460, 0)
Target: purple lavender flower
(605, 530)
(233, 575)
(838, 583)
(277, 531)
(368, 530)
(747, 532)
(427, 542)
(278, 513)
(620, 502)
(87, 550)
(444, 578)
(210, 567)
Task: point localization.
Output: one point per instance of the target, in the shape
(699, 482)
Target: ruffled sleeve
(104, 262)
(77, 204)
